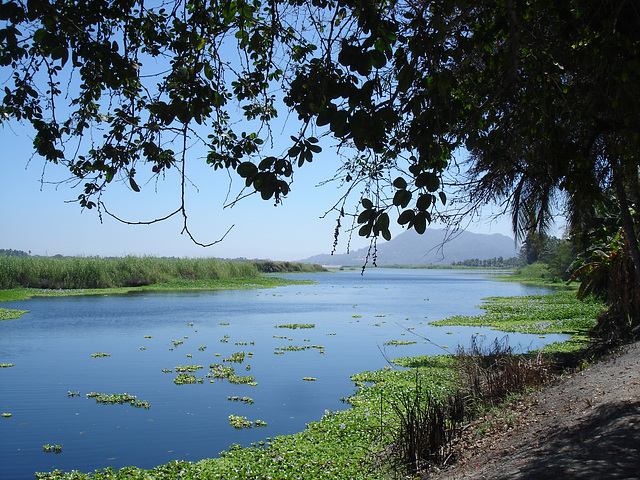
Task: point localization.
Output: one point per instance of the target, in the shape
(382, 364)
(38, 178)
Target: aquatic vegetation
(100, 354)
(189, 355)
(396, 343)
(241, 343)
(6, 365)
(190, 324)
(296, 325)
(246, 400)
(73, 394)
(177, 342)
(120, 398)
(224, 340)
(293, 348)
(7, 415)
(185, 378)
(11, 314)
(237, 379)
(239, 422)
(167, 370)
(309, 379)
(561, 312)
(187, 368)
(223, 323)
(202, 348)
(236, 357)
(142, 348)
(148, 336)
(52, 448)
(218, 370)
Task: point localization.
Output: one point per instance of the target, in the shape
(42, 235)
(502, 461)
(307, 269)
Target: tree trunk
(627, 220)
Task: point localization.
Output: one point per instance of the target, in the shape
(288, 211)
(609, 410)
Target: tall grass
(98, 272)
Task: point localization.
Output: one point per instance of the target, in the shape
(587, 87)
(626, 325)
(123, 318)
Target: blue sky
(38, 217)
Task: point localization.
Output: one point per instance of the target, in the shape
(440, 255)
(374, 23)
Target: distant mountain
(410, 248)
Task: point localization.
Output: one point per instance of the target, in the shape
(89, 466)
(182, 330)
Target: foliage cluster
(496, 262)
(12, 253)
(267, 266)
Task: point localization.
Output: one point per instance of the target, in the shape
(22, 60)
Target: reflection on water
(354, 316)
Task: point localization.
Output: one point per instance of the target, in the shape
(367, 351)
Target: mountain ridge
(432, 247)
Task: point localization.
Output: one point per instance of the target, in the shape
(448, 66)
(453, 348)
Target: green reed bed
(99, 272)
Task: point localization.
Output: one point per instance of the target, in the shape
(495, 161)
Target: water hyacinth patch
(236, 357)
(186, 378)
(239, 422)
(52, 448)
(120, 398)
(294, 326)
(396, 343)
(100, 355)
(6, 365)
(536, 314)
(188, 368)
(245, 400)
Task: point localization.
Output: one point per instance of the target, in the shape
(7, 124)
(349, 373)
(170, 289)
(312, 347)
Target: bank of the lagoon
(301, 374)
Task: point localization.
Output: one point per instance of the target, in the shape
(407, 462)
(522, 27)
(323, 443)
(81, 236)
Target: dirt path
(586, 426)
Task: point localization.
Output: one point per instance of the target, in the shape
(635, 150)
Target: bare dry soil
(585, 426)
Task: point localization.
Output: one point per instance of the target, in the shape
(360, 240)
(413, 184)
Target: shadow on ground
(604, 445)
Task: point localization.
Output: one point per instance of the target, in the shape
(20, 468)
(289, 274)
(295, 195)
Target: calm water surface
(354, 315)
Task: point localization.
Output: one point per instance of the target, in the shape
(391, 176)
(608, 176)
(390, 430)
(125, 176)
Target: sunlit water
(354, 316)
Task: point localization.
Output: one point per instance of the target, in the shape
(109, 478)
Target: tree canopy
(541, 97)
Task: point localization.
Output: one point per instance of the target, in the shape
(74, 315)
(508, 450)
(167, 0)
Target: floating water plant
(223, 323)
(177, 342)
(296, 325)
(241, 343)
(100, 354)
(185, 378)
(7, 415)
(309, 379)
(190, 324)
(167, 370)
(236, 357)
(148, 336)
(6, 365)
(237, 379)
(187, 368)
(202, 348)
(142, 348)
(120, 398)
(52, 448)
(246, 400)
(239, 422)
(396, 343)
(73, 394)
(218, 370)
(189, 355)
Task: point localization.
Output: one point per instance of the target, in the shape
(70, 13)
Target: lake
(144, 334)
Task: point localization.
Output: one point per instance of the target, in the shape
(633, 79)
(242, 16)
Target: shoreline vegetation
(390, 418)
(23, 277)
